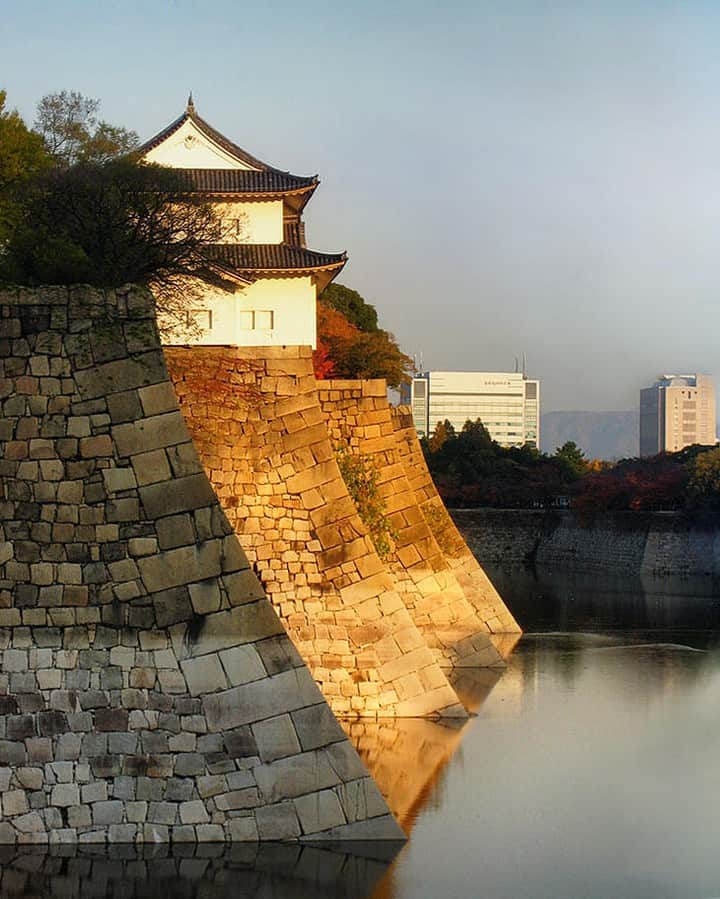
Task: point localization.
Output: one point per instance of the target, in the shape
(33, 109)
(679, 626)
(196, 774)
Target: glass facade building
(508, 404)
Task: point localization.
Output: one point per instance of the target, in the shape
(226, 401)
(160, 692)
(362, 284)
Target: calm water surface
(591, 769)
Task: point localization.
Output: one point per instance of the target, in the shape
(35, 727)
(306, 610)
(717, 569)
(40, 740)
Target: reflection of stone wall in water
(289, 871)
(660, 543)
(406, 757)
(148, 690)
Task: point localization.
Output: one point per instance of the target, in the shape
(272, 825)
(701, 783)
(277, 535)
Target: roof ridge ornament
(190, 105)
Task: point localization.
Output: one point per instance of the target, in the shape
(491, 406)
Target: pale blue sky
(507, 176)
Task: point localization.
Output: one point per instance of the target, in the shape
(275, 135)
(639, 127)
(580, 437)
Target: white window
(264, 320)
(257, 319)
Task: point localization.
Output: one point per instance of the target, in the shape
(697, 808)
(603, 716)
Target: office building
(677, 411)
(508, 404)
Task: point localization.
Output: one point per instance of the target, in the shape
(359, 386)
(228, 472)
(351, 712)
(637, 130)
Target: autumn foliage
(351, 345)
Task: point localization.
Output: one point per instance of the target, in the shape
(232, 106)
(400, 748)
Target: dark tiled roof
(273, 257)
(216, 137)
(243, 181)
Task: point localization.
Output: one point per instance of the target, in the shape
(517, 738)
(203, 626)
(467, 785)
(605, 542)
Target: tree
(22, 156)
(372, 355)
(109, 225)
(442, 432)
(571, 458)
(349, 302)
(354, 353)
(704, 473)
(67, 123)
(474, 434)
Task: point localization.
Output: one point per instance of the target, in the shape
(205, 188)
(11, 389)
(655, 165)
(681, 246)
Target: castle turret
(263, 253)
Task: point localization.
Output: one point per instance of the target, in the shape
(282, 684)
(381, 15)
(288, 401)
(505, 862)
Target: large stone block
(255, 701)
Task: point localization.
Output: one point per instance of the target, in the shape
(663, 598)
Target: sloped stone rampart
(477, 586)
(262, 436)
(148, 690)
(359, 418)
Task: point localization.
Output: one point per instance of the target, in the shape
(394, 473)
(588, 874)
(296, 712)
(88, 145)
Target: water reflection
(268, 871)
(592, 769)
(406, 758)
(544, 599)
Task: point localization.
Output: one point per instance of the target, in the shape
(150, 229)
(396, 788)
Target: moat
(590, 769)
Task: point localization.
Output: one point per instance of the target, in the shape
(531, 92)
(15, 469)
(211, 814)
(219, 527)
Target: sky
(508, 177)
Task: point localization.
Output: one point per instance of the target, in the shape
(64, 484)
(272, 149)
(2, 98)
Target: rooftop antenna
(524, 369)
(190, 105)
(517, 365)
(421, 362)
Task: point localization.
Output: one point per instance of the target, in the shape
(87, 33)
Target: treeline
(470, 468)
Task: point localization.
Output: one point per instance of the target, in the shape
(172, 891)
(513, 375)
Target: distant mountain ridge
(600, 435)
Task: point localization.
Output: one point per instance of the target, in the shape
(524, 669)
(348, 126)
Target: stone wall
(359, 420)
(148, 690)
(475, 583)
(263, 439)
(647, 543)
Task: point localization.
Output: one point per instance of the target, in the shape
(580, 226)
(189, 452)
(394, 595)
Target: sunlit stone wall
(256, 419)
(475, 583)
(359, 418)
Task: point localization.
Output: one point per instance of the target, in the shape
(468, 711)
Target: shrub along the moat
(471, 469)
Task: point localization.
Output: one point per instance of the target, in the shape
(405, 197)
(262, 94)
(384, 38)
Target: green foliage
(68, 124)
(572, 458)
(361, 478)
(358, 312)
(704, 472)
(469, 467)
(22, 156)
(108, 225)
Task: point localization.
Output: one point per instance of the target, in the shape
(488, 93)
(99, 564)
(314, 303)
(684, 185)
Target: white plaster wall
(261, 222)
(292, 300)
(188, 148)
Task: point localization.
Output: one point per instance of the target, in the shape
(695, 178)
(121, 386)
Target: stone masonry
(359, 418)
(475, 583)
(262, 436)
(148, 691)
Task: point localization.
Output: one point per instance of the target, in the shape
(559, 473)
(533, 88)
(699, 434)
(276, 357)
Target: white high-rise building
(508, 404)
(677, 411)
